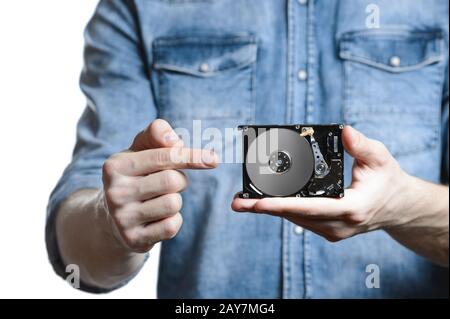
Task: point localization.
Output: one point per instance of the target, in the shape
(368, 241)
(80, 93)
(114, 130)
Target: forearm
(85, 238)
(424, 220)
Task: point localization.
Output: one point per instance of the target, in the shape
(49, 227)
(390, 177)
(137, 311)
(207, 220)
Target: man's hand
(106, 231)
(381, 196)
(142, 186)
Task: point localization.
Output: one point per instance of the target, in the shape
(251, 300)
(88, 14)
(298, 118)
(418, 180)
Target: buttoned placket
(301, 54)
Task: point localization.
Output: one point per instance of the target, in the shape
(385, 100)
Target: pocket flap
(204, 55)
(393, 50)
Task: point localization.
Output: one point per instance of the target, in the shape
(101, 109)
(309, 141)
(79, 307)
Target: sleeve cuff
(61, 192)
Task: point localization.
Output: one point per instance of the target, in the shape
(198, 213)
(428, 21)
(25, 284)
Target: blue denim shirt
(269, 62)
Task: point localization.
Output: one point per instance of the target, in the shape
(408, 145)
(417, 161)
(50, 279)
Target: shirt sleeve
(116, 84)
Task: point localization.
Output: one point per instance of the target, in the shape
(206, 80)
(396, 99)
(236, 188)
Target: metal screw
(320, 168)
(245, 195)
(341, 127)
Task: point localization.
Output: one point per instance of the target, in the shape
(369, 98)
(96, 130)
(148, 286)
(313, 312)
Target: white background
(40, 60)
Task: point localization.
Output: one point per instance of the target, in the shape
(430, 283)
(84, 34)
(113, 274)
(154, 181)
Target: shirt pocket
(393, 83)
(208, 78)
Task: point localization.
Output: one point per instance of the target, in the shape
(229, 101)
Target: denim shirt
(231, 62)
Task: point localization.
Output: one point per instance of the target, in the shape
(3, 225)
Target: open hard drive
(293, 160)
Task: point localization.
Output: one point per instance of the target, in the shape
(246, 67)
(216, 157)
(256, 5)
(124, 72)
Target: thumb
(370, 152)
(159, 134)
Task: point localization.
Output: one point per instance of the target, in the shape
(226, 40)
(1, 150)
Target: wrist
(122, 262)
(423, 222)
(414, 203)
(85, 238)
(108, 228)
(402, 206)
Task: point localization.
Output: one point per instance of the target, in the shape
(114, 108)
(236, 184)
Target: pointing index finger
(157, 135)
(154, 160)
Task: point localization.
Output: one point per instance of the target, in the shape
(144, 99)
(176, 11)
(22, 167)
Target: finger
(160, 183)
(318, 208)
(243, 205)
(161, 230)
(319, 226)
(159, 208)
(312, 207)
(370, 152)
(154, 160)
(158, 134)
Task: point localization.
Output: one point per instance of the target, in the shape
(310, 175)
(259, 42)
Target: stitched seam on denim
(391, 109)
(307, 262)
(311, 63)
(392, 32)
(344, 44)
(290, 69)
(436, 140)
(284, 261)
(310, 105)
(223, 117)
(205, 40)
(161, 94)
(252, 113)
(185, 1)
(288, 259)
(173, 68)
(346, 92)
(368, 61)
(286, 276)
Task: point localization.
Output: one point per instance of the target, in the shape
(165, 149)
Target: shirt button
(298, 230)
(302, 2)
(395, 61)
(204, 67)
(302, 75)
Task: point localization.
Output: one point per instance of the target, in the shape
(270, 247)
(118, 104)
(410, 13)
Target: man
(231, 62)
